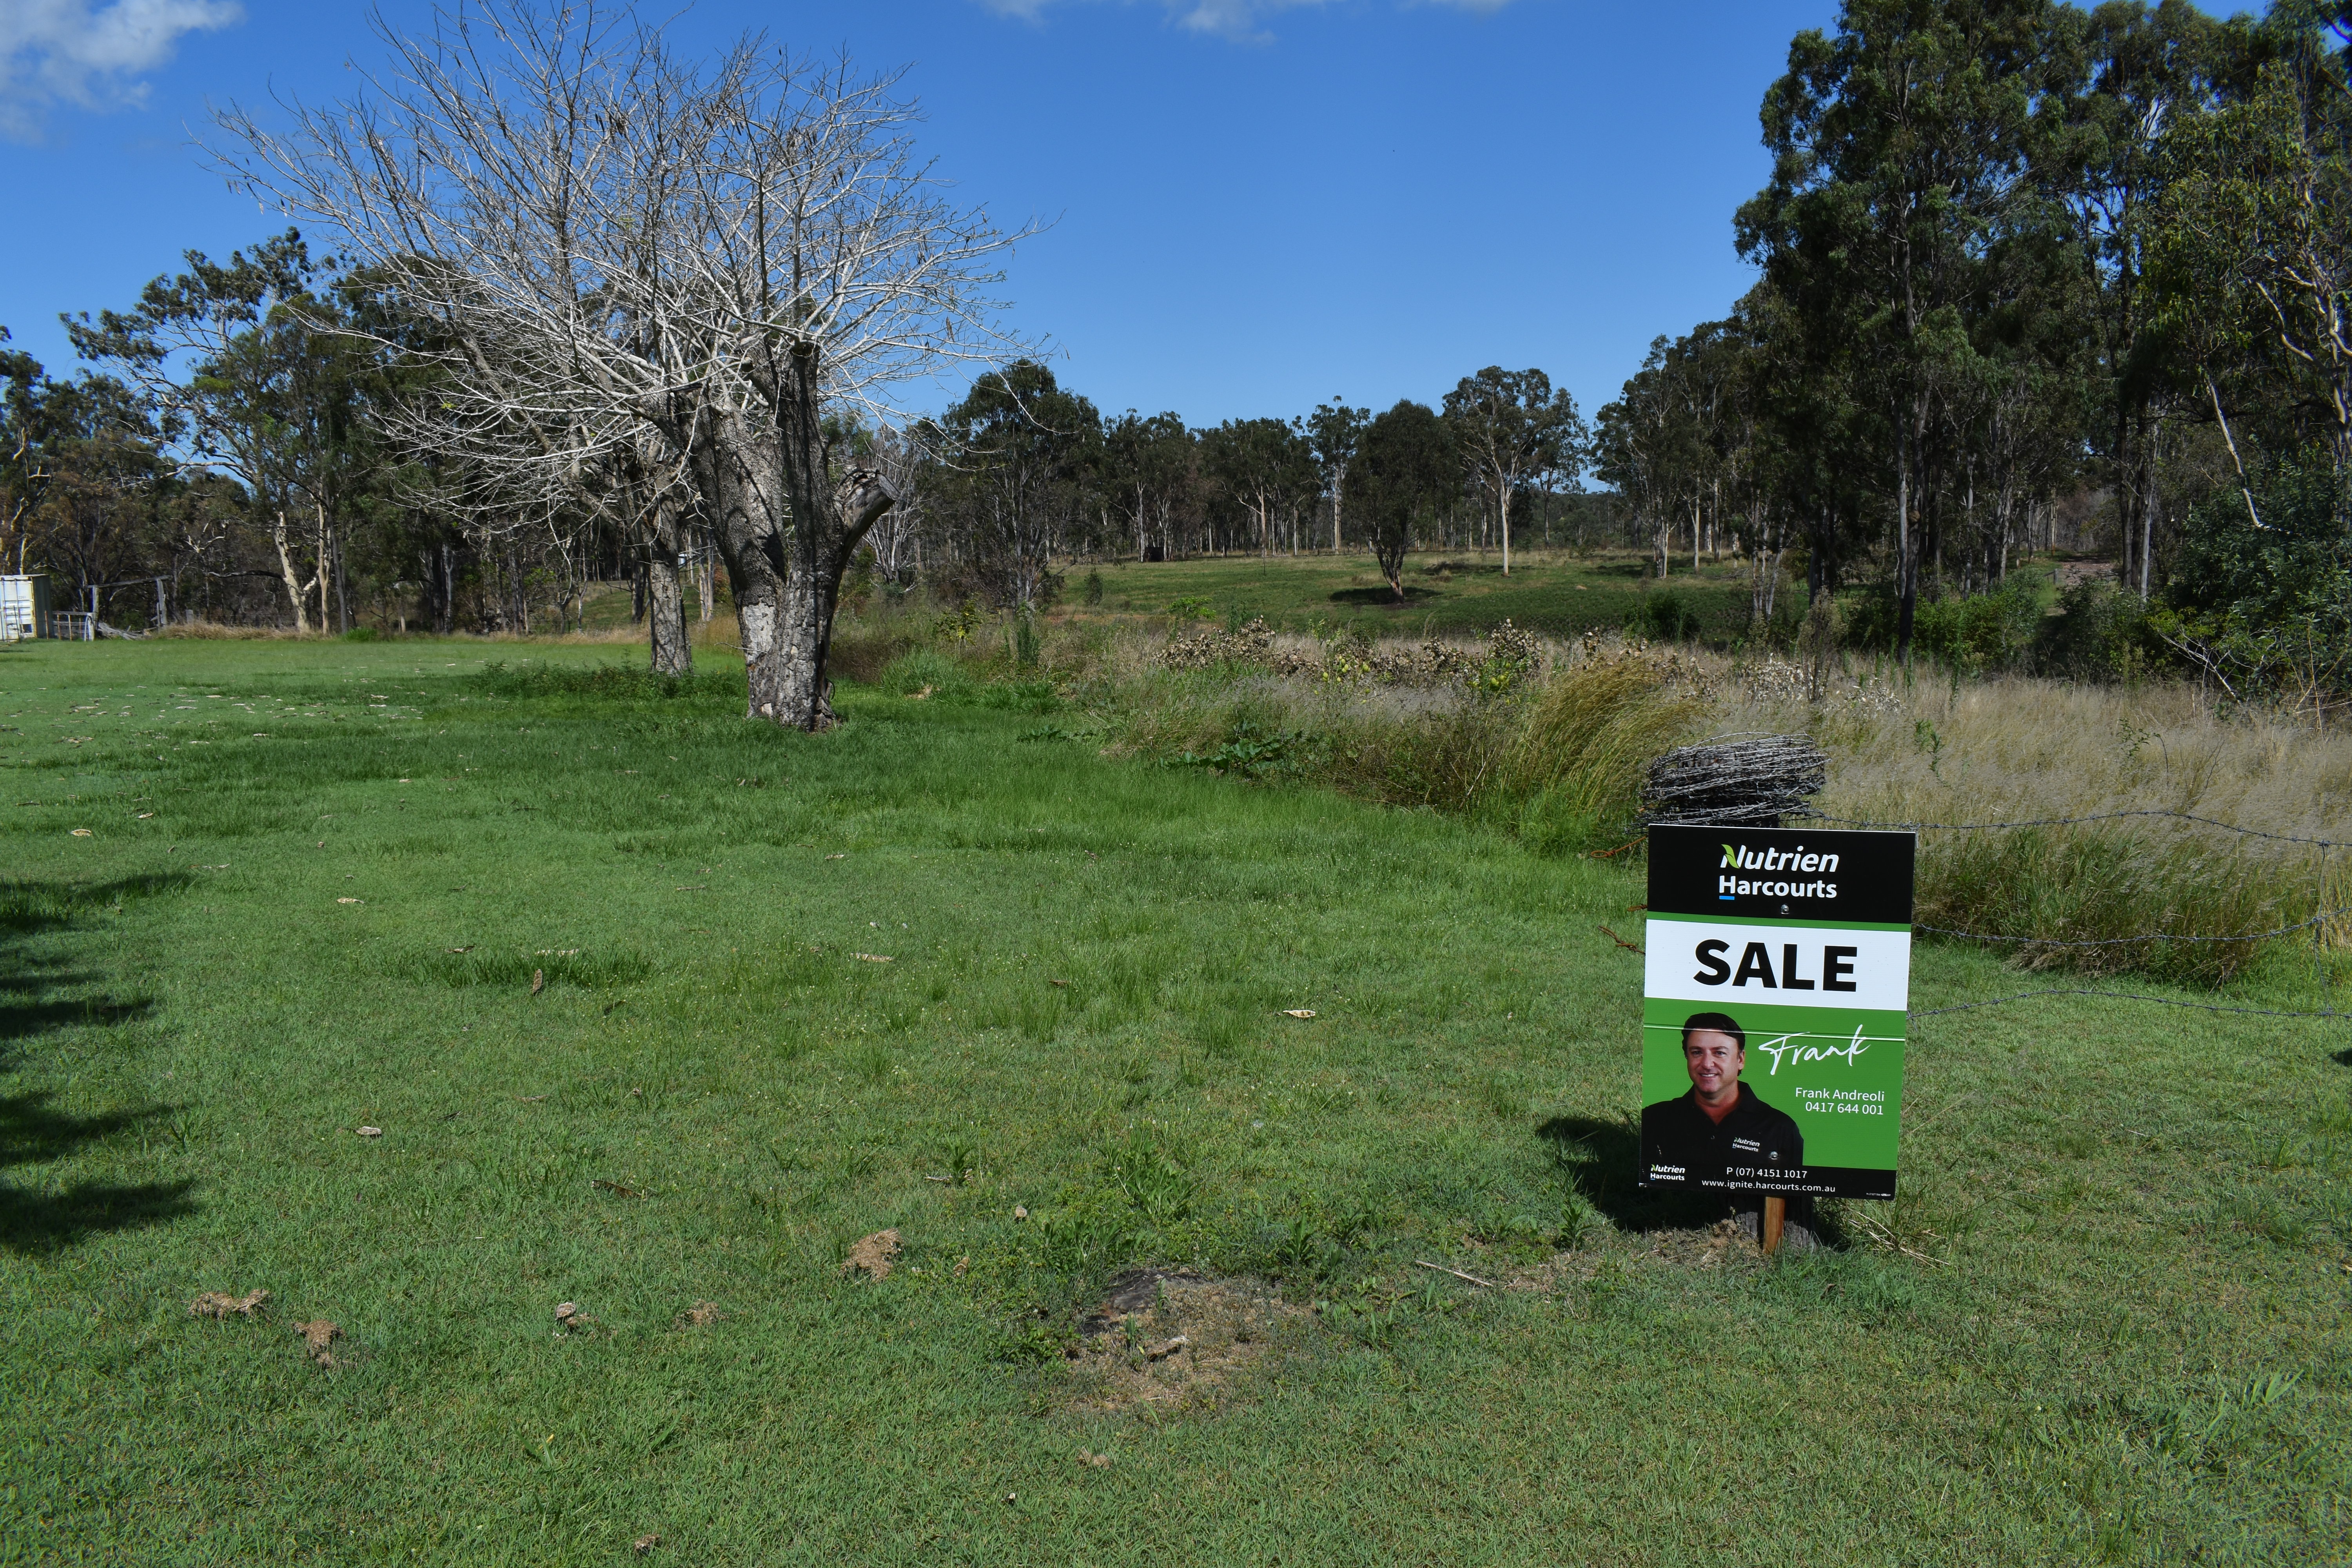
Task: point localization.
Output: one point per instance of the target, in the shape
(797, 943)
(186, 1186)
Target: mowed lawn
(797, 990)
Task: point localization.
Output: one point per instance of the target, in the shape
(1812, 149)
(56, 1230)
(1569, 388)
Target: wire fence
(2322, 844)
(2320, 919)
(2121, 997)
(1812, 815)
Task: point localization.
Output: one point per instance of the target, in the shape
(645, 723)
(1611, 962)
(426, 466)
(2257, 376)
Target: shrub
(1990, 631)
(1664, 615)
(2100, 633)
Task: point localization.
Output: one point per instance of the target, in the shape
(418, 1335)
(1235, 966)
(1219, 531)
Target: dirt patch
(1734, 1240)
(221, 1304)
(701, 1315)
(2072, 573)
(316, 1337)
(871, 1255)
(1170, 1338)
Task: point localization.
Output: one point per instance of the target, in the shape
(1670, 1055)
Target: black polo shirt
(1681, 1146)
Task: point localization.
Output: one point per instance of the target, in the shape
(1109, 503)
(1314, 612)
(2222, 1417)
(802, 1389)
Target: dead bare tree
(616, 244)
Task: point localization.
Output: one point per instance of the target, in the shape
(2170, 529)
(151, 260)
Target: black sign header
(1782, 873)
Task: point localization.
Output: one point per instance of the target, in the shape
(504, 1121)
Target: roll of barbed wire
(1747, 783)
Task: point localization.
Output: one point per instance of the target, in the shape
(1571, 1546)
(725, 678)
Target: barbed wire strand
(2320, 919)
(2121, 997)
(1812, 815)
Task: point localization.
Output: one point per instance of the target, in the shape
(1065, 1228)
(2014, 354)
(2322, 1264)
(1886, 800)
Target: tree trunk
(296, 594)
(786, 532)
(1907, 577)
(1503, 522)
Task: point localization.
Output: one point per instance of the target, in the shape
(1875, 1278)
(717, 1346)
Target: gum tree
(1514, 429)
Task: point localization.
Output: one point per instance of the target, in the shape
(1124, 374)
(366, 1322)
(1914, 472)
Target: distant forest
(2030, 277)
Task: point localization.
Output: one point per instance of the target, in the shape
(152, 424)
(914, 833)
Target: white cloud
(75, 51)
(1239, 19)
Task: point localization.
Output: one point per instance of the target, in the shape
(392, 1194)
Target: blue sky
(1255, 204)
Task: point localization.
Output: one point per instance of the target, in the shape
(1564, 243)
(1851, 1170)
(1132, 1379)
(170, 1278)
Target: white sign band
(1799, 966)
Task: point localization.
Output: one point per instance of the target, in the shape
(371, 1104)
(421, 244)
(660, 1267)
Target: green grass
(1558, 593)
(2130, 1346)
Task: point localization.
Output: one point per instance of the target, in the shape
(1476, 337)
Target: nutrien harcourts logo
(1740, 857)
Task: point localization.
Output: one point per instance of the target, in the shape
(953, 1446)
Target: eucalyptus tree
(1898, 143)
(1149, 468)
(896, 538)
(1513, 429)
(2257, 244)
(1015, 451)
(81, 471)
(1649, 443)
(247, 358)
(2137, 70)
(732, 254)
(1265, 470)
(1335, 432)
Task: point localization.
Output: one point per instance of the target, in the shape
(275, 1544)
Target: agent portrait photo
(1693, 1137)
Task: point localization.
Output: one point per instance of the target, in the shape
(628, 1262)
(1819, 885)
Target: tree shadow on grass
(26, 907)
(38, 1219)
(33, 1132)
(1384, 599)
(23, 1020)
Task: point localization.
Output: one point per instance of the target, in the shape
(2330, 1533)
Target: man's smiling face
(1714, 1060)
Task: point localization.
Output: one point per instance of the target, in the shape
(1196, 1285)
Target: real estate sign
(1777, 980)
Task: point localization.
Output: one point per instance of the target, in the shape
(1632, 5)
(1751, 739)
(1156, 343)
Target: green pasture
(1559, 593)
(795, 990)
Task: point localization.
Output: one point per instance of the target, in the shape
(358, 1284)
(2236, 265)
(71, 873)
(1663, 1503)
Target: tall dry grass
(2015, 749)
(1560, 759)
(1555, 753)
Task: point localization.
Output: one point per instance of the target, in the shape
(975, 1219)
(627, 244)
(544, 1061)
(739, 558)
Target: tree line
(596, 307)
(242, 457)
(598, 311)
(2015, 258)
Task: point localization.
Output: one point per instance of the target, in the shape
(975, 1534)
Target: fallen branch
(1473, 1279)
(1620, 941)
